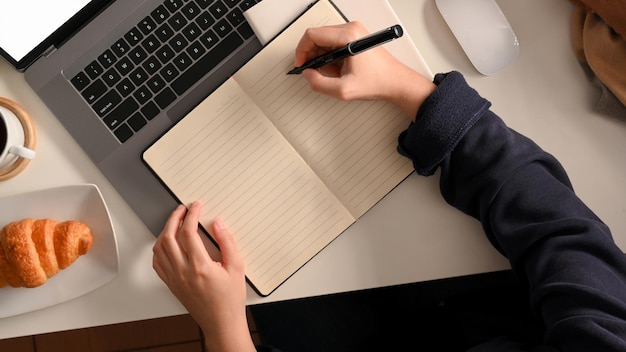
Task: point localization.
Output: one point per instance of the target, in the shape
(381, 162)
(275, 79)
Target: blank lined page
(226, 154)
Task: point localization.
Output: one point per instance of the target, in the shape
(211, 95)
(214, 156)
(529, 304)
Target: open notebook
(286, 168)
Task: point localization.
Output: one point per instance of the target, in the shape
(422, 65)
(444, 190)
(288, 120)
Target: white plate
(83, 203)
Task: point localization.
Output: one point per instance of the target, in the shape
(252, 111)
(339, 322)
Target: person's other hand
(213, 292)
(373, 74)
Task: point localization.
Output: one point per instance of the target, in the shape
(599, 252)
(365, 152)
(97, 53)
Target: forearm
(234, 336)
(405, 88)
(523, 198)
(239, 344)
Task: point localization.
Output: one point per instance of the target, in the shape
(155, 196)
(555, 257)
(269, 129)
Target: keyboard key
(151, 43)
(147, 25)
(164, 33)
(133, 37)
(136, 122)
(177, 21)
(173, 5)
(107, 59)
(209, 39)
(232, 3)
(203, 3)
(218, 9)
(156, 83)
(94, 69)
(120, 47)
(182, 61)
(191, 10)
(138, 55)
(196, 50)
(165, 54)
(138, 76)
(247, 4)
(165, 98)
(245, 30)
(125, 87)
(235, 17)
(160, 14)
(124, 66)
(151, 65)
(206, 63)
(222, 28)
(205, 21)
(121, 113)
(80, 81)
(107, 103)
(142, 94)
(191, 32)
(150, 110)
(178, 43)
(123, 133)
(111, 77)
(169, 72)
(94, 91)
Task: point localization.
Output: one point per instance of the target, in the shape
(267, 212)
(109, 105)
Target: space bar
(207, 63)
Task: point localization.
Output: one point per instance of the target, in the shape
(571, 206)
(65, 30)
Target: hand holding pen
(373, 74)
(352, 48)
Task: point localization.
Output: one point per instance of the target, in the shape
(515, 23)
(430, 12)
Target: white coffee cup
(12, 139)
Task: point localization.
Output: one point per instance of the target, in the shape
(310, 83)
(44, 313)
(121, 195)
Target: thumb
(231, 258)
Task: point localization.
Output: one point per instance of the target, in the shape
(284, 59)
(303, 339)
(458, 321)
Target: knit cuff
(441, 122)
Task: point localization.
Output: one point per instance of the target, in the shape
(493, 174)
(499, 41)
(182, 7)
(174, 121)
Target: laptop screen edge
(59, 36)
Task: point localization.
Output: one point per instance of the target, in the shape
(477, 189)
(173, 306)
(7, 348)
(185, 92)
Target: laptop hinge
(49, 51)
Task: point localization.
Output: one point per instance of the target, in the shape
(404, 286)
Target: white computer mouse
(483, 32)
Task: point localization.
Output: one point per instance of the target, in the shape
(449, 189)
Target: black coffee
(3, 135)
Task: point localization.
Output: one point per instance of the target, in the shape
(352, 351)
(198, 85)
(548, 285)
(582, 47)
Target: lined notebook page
(351, 146)
(226, 154)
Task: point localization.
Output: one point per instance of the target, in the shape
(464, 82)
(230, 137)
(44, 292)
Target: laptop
(119, 73)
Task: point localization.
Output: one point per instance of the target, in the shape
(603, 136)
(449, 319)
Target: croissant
(31, 251)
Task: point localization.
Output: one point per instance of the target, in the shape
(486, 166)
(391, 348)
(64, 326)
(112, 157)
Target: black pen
(352, 48)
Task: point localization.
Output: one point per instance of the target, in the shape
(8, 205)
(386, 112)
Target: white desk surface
(412, 235)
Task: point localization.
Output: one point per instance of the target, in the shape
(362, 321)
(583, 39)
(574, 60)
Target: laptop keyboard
(159, 59)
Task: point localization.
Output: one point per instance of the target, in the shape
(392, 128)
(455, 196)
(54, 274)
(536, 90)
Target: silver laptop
(119, 73)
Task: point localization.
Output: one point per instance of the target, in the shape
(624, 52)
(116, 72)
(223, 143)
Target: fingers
(319, 40)
(166, 248)
(231, 258)
(190, 238)
(312, 44)
(366, 76)
(179, 248)
(179, 241)
(174, 221)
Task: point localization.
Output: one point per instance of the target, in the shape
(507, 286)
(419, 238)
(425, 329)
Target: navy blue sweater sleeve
(575, 273)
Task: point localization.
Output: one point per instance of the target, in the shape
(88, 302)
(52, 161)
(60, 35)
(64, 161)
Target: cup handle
(22, 152)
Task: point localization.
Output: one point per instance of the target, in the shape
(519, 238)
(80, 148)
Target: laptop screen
(29, 27)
